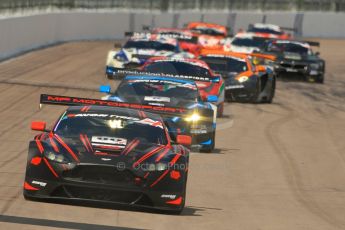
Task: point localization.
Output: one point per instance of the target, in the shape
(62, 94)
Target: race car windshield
(208, 31)
(110, 125)
(249, 42)
(265, 30)
(220, 64)
(154, 45)
(177, 68)
(287, 47)
(158, 92)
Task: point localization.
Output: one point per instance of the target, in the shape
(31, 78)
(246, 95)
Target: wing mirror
(38, 126)
(216, 78)
(317, 53)
(212, 98)
(184, 140)
(105, 89)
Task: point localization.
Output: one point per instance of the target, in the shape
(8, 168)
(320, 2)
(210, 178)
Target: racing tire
(273, 89)
(180, 210)
(220, 109)
(255, 99)
(108, 76)
(210, 148)
(320, 79)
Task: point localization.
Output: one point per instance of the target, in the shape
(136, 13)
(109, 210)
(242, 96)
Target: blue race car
(199, 120)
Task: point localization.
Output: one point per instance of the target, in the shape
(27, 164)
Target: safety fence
(178, 5)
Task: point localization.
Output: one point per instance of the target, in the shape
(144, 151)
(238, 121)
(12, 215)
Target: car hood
(85, 149)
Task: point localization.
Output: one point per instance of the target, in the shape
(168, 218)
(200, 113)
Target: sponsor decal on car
(40, 183)
(108, 140)
(157, 98)
(170, 196)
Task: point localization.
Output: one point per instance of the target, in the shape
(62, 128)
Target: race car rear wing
(78, 101)
(312, 43)
(289, 29)
(292, 29)
(119, 73)
(179, 37)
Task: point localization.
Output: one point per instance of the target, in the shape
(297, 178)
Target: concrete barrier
(19, 34)
(325, 25)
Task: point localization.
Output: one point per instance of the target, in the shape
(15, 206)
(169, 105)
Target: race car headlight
(193, 117)
(314, 66)
(243, 79)
(155, 167)
(55, 157)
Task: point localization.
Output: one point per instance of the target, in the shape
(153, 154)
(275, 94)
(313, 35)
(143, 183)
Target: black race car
(109, 152)
(199, 121)
(296, 59)
(244, 82)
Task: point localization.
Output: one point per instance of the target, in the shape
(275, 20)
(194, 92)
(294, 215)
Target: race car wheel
(255, 98)
(273, 89)
(179, 211)
(109, 76)
(210, 148)
(220, 109)
(320, 79)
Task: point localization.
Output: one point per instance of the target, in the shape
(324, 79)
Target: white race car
(244, 43)
(139, 48)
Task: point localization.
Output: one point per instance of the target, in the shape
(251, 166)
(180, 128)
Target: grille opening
(294, 66)
(126, 197)
(95, 194)
(99, 175)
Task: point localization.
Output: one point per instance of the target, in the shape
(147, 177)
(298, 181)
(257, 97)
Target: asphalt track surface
(277, 166)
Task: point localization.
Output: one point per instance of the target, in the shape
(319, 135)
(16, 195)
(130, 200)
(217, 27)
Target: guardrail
(178, 5)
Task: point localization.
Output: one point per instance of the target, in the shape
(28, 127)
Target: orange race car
(244, 81)
(210, 35)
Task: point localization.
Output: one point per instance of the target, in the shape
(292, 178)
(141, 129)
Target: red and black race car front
(113, 155)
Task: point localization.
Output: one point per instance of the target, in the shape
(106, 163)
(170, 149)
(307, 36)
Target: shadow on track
(188, 210)
(56, 223)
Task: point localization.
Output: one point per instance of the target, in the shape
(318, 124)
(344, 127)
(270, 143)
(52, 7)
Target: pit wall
(21, 34)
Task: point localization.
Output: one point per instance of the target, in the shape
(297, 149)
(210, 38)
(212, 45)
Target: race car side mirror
(260, 68)
(317, 53)
(212, 98)
(105, 89)
(38, 126)
(184, 140)
(216, 78)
